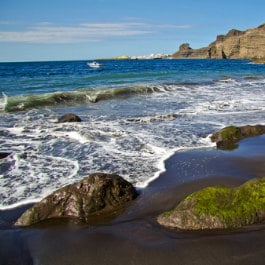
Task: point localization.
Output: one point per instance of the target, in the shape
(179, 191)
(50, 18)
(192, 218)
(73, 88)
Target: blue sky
(37, 30)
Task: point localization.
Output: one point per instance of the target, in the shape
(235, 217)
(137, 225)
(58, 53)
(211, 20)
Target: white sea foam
(34, 177)
(160, 169)
(77, 136)
(16, 130)
(3, 102)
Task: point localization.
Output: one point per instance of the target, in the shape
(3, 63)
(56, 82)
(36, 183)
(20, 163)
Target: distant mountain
(236, 44)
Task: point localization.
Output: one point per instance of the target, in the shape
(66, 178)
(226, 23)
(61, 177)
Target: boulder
(99, 195)
(4, 155)
(219, 208)
(227, 138)
(69, 117)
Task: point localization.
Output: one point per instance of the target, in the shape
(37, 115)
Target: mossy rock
(219, 207)
(227, 138)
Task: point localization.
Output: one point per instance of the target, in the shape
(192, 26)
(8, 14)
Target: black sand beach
(135, 237)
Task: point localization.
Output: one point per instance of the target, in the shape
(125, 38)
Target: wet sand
(135, 237)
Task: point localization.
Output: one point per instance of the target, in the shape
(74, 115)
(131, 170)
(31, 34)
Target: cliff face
(235, 44)
(185, 51)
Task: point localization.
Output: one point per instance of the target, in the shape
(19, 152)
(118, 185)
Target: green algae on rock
(227, 138)
(219, 208)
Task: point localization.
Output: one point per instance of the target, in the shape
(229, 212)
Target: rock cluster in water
(98, 195)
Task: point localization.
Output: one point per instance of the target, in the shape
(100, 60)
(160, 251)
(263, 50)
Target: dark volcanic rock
(227, 138)
(69, 117)
(96, 195)
(3, 155)
(219, 207)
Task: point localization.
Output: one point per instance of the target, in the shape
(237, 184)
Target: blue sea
(135, 114)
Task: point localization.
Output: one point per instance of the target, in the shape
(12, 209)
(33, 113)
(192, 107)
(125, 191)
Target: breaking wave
(21, 103)
(90, 96)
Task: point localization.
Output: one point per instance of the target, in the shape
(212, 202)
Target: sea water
(135, 114)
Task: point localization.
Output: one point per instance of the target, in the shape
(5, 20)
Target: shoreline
(135, 236)
(139, 187)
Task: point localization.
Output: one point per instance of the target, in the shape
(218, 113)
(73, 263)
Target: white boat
(94, 64)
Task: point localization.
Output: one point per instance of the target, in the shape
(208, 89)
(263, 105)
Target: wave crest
(21, 103)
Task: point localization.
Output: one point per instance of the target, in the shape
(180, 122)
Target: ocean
(135, 115)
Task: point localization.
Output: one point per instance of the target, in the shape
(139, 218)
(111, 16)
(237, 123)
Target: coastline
(135, 236)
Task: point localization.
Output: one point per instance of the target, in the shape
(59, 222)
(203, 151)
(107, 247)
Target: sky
(45, 30)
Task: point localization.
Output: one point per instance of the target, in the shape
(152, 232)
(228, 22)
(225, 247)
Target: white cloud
(87, 32)
(46, 33)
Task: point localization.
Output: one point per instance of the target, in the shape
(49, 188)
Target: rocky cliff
(236, 44)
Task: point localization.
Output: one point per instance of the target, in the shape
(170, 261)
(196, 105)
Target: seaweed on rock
(219, 207)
